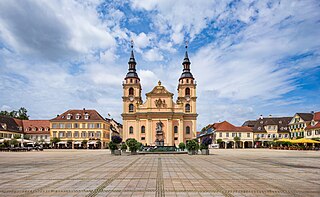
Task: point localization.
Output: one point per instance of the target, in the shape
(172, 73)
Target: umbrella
(284, 140)
(304, 140)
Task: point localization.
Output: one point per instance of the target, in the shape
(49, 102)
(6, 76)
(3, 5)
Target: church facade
(159, 120)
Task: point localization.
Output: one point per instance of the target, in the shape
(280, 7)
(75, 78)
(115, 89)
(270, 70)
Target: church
(159, 121)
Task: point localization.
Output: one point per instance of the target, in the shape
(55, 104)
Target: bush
(124, 146)
(116, 139)
(182, 146)
(132, 144)
(14, 142)
(192, 145)
(112, 146)
(203, 147)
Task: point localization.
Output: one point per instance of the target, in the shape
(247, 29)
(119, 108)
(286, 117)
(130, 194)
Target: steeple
(132, 65)
(186, 65)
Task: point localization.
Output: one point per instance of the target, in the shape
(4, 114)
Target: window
(308, 133)
(175, 129)
(76, 134)
(131, 92)
(61, 126)
(98, 134)
(143, 138)
(41, 129)
(75, 125)
(130, 80)
(187, 130)
(248, 134)
(83, 125)
(69, 125)
(187, 91)
(86, 116)
(233, 134)
(98, 125)
(187, 80)
(35, 129)
(187, 107)
(69, 116)
(68, 134)
(317, 132)
(131, 108)
(83, 134)
(280, 135)
(91, 126)
(175, 138)
(61, 134)
(220, 134)
(78, 116)
(54, 134)
(46, 137)
(131, 130)
(285, 135)
(143, 129)
(239, 134)
(227, 134)
(269, 135)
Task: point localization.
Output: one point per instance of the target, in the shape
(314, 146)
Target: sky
(249, 57)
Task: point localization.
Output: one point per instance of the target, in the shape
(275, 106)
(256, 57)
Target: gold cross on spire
(131, 43)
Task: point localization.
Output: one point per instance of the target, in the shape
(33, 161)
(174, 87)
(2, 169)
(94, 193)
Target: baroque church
(159, 121)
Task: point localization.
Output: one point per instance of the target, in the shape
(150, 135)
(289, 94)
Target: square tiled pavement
(250, 172)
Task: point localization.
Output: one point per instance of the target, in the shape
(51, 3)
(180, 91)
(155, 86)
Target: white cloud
(153, 55)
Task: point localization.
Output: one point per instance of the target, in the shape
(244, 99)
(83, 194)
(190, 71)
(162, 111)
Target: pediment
(159, 90)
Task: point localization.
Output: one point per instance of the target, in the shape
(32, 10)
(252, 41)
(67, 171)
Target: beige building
(313, 130)
(231, 136)
(159, 120)
(74, 127)
(298, 124)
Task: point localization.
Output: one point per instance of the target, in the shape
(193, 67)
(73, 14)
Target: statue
(159, 126)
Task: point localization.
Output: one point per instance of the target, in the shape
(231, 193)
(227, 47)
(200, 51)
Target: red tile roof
(316, 116)
(226, 126)
(36, 126)
(93, 115)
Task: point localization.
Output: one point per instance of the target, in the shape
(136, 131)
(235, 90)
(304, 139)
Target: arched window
(131, 130)
(187, 130)
(131, 91)
(143, 129)
(187, 107)
(187, 91)
(131, 108)
(187, 80)
(175, 129)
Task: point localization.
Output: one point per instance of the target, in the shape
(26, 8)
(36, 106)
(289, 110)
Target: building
(229, 136)
(37, 131)
(313, 130)
(9, 128)
(115, 127)
(159, 120)
(80, 129)
(298, 124)
(267, 129)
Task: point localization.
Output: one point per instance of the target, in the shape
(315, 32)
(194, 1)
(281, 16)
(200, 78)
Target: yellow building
(298, 124)
(80, 129)
(159, 120)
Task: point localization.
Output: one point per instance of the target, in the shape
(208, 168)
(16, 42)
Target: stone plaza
(249, 172)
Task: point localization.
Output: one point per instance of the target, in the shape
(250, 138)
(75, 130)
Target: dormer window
(4, 126)
(35, 129)
(69, 116)
(86, 116)
(77, 116)
(312, 123)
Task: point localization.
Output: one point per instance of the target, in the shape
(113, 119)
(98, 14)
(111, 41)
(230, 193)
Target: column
(149, 132)
(169, 133)
(138, 130)
(225, 145)
(180, 131)
(243, 144)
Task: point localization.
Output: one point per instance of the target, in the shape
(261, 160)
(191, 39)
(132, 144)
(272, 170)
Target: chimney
(270, 115)
(57, 115)
(84, 109)
(261, 117)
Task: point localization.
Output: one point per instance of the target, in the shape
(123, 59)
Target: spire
(186, 65)
(132, 65)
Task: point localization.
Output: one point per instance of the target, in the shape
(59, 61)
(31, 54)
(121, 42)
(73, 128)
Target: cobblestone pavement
(247, 172)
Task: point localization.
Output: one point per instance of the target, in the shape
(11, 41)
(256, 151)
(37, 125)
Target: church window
(143, 129)
(175, 138)
(131, 108)
(131, 91)
(143, 138)
(175, 129)
(187, 107)
(187, 130)
(130, 80)
(187, 80)
(131, 130)
(187, 91)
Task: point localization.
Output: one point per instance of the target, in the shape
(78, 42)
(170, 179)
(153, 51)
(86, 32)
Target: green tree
(54, 141)
(182, 146)
(20, 114)
(236, 140)
(14, 142)
(4, 113)
(132, 144)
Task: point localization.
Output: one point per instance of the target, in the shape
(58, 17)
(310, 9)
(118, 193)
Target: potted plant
(236, 141)
(112, 147)
(193, 147)
(124, 147)
(116, 140)
(133, 145)
(182, 146)
(204, 147)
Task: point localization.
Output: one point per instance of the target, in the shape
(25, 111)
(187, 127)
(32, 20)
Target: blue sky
(248, 57)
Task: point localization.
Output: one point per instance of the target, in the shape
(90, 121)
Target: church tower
(131, 87)
(187, 87)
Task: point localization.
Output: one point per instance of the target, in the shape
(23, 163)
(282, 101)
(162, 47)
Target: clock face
(131, 98)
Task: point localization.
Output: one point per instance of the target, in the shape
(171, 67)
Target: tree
(182, 146)
(20, 114)
(112, 146)
(124, 146)
(192, 145)
(236, 139)
(14, 142)
(54, 141)
(132, 144)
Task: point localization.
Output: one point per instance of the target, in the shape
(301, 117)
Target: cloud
(153, 55)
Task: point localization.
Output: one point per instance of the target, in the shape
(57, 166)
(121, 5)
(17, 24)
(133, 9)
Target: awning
(304, 140)
(77, 143)
(62, 143)
(92, 142)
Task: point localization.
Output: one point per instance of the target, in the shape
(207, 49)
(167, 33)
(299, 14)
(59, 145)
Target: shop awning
(304, 140)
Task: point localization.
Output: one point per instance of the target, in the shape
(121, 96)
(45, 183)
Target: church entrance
(159, 134)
